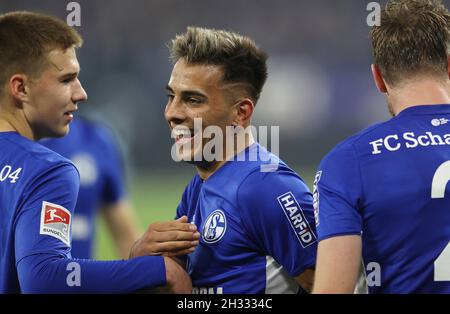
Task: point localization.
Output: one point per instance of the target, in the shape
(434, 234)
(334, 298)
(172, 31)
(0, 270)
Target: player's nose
(79, 93)
(175, 113)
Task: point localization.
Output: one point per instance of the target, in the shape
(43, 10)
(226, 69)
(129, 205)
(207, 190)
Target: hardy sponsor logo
(55, 222)
(296, 217)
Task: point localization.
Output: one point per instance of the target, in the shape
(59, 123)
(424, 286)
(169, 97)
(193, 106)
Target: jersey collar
(426, 110)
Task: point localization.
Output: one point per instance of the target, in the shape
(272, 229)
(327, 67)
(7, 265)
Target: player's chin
(61, 131)
(198, 159)
(185, 156)
(188, 152)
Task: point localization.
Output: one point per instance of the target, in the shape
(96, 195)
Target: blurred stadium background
(319, 89)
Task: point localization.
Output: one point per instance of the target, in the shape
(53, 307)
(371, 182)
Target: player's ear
(378, 78)
(244, 111)
(18, 87)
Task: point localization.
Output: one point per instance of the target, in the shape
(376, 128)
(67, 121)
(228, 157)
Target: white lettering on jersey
(316, 197)
(297, 219)
(410, 140)
(8, 174)
(439, 122)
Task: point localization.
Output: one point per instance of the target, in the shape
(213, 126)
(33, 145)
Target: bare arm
(119, 218)
(178, 281)
(306, 280)
(338, 265)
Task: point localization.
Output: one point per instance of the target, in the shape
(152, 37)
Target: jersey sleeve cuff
(338, 234)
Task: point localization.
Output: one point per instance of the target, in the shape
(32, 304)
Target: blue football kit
(389, 184)
(38, 192)
(94, 151)
(257, 226)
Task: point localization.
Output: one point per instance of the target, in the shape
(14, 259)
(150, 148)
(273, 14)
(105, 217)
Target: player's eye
(68, 80)
(170, 97)
(194, 100)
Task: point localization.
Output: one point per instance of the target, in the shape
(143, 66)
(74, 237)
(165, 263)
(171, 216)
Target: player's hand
(170, 238)
(178, 281)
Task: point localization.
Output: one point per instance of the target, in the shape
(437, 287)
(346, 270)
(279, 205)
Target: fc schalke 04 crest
(215, 227)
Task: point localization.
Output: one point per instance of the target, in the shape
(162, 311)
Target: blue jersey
(38, 192)
(257, 228)
(389, 184)
(94, 151)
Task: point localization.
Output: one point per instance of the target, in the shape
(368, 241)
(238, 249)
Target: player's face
(197, 91)
(54, 95)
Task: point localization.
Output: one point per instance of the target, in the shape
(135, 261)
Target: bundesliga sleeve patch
(55, 222)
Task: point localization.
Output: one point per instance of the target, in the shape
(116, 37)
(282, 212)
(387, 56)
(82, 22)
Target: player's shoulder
(256, 158)
(52, 170)
(350, 148)
(35, 155)
(269, 177)
(47, 157)
(261, 183)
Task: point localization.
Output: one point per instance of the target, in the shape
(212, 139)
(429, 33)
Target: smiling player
(39, 91)
(257, 227)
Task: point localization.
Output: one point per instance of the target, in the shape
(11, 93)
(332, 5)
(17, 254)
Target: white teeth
(181, 132)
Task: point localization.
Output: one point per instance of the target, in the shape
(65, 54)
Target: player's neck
(15, 122)
(418, 93)
(207, 171)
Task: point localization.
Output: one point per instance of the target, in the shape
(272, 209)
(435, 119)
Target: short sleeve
(276, 210)
(43, 223)
(112, 169)
(181, 209)
(337, 194)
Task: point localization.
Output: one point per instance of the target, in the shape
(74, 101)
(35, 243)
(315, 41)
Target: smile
(182, 135)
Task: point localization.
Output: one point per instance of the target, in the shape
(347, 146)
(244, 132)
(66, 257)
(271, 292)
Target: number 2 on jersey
(440, 181)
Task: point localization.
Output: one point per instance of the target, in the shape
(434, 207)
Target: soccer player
(382, 196)
(256, 226)
(39, 92)
(95, 152)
